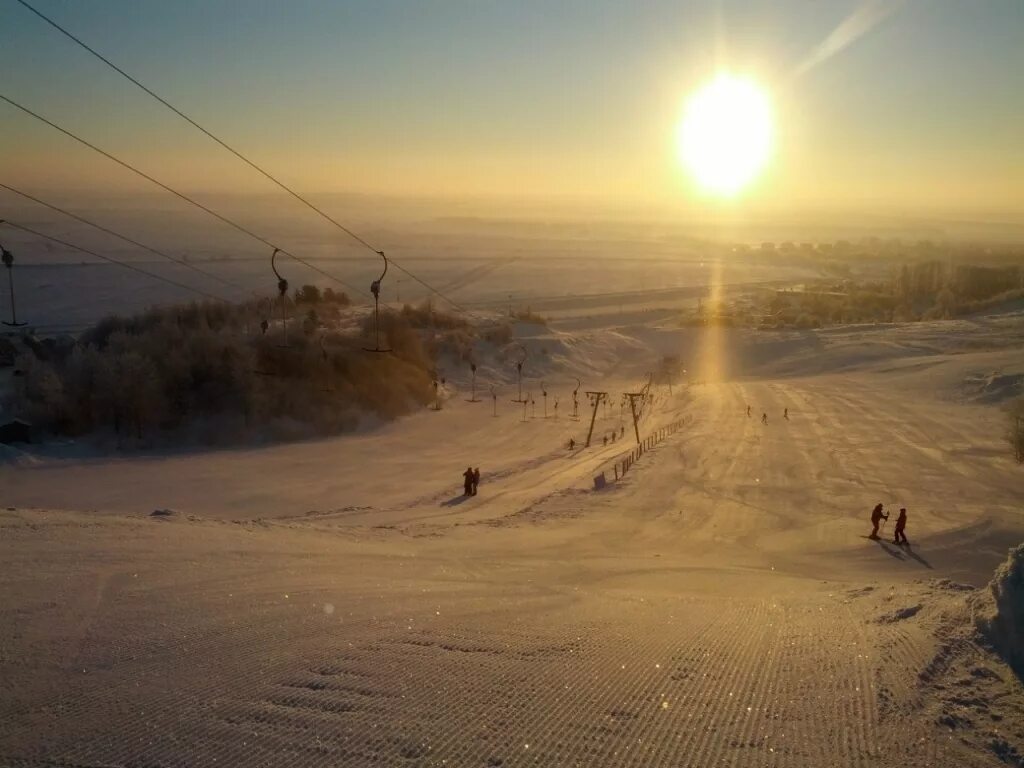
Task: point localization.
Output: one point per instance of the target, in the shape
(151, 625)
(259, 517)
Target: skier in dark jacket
(468, 484)
(876, 517)
(901, 523)
(476, 479)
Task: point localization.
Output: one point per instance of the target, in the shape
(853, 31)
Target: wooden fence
(625, 461)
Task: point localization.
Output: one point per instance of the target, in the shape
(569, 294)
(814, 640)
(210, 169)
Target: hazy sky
(524, 98)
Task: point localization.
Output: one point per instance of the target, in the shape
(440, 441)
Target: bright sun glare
(725, 135)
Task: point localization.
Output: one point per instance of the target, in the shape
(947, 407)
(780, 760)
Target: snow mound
(16, 457)
(993, 387)
(900, 615)
(1002, 619)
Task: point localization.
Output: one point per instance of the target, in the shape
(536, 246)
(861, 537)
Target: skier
(748, 411)
(604, 440)
(785, 414)
(572, 443)
(876, 517)
(476, 479)
(468, 477)
(901, 523)
(622, 431)
(764, 418)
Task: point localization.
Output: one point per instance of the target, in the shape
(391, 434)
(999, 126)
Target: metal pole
(632, 407)
(597, 396)
(10, 282)
(8, 261)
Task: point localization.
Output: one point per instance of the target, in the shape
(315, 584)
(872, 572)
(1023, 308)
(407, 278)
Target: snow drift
(1001, 618)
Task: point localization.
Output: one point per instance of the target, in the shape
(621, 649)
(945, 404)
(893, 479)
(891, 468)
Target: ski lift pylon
(519, 374)
(472, 397)
(375, 290)
(8, 261)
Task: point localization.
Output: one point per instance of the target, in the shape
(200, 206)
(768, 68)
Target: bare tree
(1015, 429)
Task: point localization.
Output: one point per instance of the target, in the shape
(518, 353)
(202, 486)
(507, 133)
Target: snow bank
(1001, 618)
(995, 387)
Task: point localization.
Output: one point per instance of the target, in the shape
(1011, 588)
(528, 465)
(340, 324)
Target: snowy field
(338, 602)
(555, 269)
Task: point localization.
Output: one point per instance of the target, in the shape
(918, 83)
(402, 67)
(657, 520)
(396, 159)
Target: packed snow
(340, 602)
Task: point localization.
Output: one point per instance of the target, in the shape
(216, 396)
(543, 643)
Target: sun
(725, 134)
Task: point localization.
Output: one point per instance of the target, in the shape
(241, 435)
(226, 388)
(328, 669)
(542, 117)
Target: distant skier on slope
(901, 524)
(476, 479)
(876, 517)
(785, 413)
(764, 418)
(748, 411)
(468, 484)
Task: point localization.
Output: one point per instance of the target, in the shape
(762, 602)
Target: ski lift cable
(112, 260)
(232, 150)
(136, 243)
(176, 193)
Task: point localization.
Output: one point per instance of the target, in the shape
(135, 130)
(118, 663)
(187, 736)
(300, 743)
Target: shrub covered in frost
(212, 366)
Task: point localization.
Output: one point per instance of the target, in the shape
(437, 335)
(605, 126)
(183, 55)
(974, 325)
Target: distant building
(16, 431)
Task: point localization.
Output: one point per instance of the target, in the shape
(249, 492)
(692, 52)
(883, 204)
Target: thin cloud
(868, 15)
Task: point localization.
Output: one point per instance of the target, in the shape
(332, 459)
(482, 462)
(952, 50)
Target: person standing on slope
(876, 517)
(901, 523)
(468, 484)
(748, 411)
(476, 479)
(785, 413)
(764, 418)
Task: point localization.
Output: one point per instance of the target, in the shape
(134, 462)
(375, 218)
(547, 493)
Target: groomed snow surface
(340, 603)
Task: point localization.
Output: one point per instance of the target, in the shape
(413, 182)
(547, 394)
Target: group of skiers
(472, 480)
(878, 515)
(764, 416)
(605, 439)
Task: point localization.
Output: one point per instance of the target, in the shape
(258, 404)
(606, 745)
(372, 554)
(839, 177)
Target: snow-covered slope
(340, 603)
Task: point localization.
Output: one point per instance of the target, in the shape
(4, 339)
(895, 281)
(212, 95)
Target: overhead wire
(125, 238)
(111, 259)
(233, 151)
(175, 192)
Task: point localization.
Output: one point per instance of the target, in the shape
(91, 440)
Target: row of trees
(925, 290)
(927, 279)
(172, 368)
